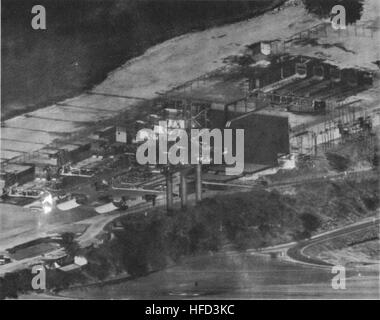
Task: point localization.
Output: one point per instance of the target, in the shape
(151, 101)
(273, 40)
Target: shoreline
(293, 254)
(116, 84)
(207, 25)
(161, 68)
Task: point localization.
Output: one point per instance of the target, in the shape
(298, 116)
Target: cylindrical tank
(335, 74)
(350, 77)
(319, 72)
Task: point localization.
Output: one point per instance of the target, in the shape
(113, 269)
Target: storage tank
(350, 77)
(304, 67)
(320, 71)
(335, 74)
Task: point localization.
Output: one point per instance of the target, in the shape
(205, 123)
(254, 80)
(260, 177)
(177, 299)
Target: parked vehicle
(4, 259)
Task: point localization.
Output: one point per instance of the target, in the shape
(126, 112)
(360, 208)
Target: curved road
(296, 250)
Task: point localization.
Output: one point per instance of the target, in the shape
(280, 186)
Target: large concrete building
(266, 137)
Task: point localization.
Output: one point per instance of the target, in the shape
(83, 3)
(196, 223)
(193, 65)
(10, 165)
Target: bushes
(311, 222)
(338, 162)
(244, 220)
(15, 283)
(322, 8)
(241, 220)
(69, 244)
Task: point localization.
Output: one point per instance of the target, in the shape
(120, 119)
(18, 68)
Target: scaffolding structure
(320, 30)
(340, 126)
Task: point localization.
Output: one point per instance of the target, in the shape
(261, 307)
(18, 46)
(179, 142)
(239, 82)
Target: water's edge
(42, 68)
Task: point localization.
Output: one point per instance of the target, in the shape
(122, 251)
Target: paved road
(96, 225)
(296, 250)
(292, 182)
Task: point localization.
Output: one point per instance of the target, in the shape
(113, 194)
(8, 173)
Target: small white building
(121, 134)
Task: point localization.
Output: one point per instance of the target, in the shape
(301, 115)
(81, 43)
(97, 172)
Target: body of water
(232, 275)
(85, 39)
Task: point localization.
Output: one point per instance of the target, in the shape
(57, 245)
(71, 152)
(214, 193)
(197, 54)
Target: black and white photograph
(190, 150)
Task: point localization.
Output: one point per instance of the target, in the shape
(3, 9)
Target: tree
(310, 222)
(69, 244)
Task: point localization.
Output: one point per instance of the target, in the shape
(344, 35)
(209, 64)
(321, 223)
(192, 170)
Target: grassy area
(338, 203)
(358, 249)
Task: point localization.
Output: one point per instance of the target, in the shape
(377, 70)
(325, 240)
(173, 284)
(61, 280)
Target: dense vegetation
(242, 220)
(254, 219)
(322, 8)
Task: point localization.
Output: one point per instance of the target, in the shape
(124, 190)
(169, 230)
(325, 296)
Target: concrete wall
(17, 173)
(265, 136)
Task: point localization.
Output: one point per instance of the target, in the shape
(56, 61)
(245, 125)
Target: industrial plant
(288, 106)
(73, 167)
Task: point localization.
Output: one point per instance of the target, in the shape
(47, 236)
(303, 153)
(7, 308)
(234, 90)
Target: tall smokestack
(183, 189)
(169, 190)
(198, 182)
